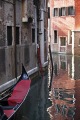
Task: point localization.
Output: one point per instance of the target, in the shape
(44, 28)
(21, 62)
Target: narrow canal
(59, 98)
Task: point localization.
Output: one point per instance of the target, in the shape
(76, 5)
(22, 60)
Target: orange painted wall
(77, 15)
(62, 23)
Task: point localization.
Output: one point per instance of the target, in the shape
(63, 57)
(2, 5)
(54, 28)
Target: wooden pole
(51, 57)
(51, 66)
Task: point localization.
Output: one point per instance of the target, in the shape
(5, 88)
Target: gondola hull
(12, 104)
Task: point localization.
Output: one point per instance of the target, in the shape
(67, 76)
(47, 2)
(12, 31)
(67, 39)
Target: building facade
(23, 25)
(65, 26)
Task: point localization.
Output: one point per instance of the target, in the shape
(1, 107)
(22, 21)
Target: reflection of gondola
(10, 105)
(39, 60)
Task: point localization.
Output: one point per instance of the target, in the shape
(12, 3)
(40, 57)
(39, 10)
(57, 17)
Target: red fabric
(8, 112)
(39, 60)
(19, 92)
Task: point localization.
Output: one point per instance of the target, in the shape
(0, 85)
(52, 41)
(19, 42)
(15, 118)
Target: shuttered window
(9, 35)
(55, 36)
(71, 10)
(17, 35)
(55, 12)
(62, 11)
(63, 41)
(33, 35)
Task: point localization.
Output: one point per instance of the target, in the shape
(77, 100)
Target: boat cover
(8, 113)
(19, 92)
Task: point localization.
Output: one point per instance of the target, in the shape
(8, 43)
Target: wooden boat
(10, 105)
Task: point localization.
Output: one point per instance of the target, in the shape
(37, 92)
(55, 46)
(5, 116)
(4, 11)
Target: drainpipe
(15, 51)
(42, 36)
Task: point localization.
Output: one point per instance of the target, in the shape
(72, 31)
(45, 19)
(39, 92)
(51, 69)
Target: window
(33, 35)
(79, 41)
(69, 37)
(37, 35)
(48, 12)
(71, 10)
(55, 12)
(63, 65)
(63, 41)
(55, 69)
(0, 3)
(35, 2)
(55, 36)
(62, 11)
(9, 35)
(62, 58)
(44, 34)
(17, 35)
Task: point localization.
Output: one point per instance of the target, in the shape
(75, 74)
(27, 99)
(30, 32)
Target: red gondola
(19, 92)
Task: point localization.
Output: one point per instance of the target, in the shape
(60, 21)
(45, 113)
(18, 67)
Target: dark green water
(62, 100)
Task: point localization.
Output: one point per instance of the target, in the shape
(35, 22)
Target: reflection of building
(35, 105)
(65, 27)
(66, 88)
(71, 64)
(77, 102)
(63, 96)
(63, 89)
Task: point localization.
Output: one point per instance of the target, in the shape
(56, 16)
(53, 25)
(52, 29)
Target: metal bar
(15, 50)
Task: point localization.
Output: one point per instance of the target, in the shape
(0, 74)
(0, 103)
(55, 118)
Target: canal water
(65, 89)
(57, 98)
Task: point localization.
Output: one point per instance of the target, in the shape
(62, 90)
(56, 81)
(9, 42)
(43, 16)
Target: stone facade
(26, 37)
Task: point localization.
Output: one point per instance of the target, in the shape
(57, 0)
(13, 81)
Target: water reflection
(36, 104)
(66, 88)
(58, 98)
(38, 101)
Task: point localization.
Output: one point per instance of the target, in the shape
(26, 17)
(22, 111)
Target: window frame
(62, 11)
(71, 10)
(17, 38)
(56, 12)
(0, 3)
(55, 36)
(62, 44)
(9, 43)
(44, 34)
(79, 42)
(12, 37)
(33, 36)
(70, 37)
